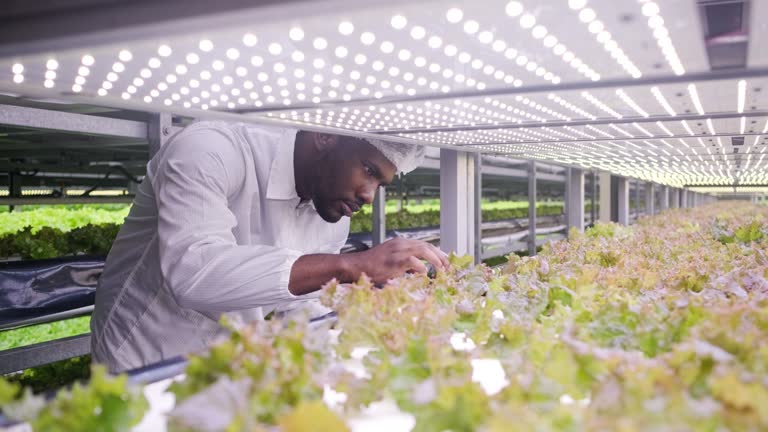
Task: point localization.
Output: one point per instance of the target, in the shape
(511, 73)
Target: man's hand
(393, 258)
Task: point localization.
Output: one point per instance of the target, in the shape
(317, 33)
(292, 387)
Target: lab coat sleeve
(202, 264)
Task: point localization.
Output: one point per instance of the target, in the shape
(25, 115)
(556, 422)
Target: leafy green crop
(50, 232)
(105, 404)
(53, 231)
(54, 376)
(658, 326)
(61, 219)
(44, 332)
(653, 327)
(421, 216)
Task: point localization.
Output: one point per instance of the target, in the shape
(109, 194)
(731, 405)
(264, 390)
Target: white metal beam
(159, 130)
(532, 208)
(605, 197)
(574, 203)
(650, 199)
(622, 198)
(31, 200)
(456, 202)
(60, 121)
(478, 206)
(674, 198)
(379, 227)
(664, 198)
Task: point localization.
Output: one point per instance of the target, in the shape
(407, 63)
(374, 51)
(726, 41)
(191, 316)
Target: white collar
(282, 177)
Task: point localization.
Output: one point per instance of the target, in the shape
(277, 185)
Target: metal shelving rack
(620, 96)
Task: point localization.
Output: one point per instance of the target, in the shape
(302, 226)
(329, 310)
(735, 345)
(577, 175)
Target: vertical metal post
(674, 198)
(574, 202)
(622, 199)
(567, 193)
(158, 131)
(593, 199)
(456, 202)
(531, 208)
(683, 198)
(605, 197)
(478, 207)
(14, 187)
(664, 198)
(637, 200)
(379, 227)
(650, 199)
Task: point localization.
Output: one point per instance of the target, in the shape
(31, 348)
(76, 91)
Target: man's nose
(366, 195)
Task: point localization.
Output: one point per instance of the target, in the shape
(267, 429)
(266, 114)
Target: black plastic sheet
(29, 289)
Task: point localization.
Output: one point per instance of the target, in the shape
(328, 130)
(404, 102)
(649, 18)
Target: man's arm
(381, 263)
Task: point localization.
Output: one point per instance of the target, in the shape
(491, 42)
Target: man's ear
(324, 142)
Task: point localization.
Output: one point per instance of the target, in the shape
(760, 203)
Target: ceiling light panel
(430, 47)
(649, 107)
(339, 70)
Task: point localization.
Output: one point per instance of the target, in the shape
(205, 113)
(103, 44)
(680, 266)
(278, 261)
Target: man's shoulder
(263, 133)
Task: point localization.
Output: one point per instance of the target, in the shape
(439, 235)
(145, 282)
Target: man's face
(347, 176)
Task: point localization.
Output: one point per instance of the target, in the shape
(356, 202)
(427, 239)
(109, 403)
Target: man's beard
(326, 210)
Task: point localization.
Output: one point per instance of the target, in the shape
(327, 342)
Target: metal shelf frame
(29, 30)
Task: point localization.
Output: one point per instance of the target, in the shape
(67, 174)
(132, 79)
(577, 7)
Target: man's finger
(441, 255)
(426, 252)
(415, 265)
(420, 248)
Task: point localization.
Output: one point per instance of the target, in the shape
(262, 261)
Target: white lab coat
(215, 228)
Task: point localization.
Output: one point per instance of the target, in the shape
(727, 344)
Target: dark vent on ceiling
(737, 141)
(726, 32)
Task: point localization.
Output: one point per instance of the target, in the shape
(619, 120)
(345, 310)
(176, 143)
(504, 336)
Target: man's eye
(368, 170)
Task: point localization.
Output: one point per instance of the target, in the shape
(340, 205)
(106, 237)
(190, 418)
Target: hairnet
(406, 157)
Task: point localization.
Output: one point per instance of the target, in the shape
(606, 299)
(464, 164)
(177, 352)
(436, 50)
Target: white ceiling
(479, 74)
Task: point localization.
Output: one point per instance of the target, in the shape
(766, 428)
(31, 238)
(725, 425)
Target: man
(240, 219)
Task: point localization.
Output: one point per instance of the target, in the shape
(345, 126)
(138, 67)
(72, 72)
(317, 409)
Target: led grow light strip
(600, 131)
(662, 101)
(660, 32)
(527, 102)
(695, 98)
(232, 53)
(586, 95)
(18, 73)
(562, 102)
(596, 27)
(642, 129)
(711, 127)
(527, 21)
(50, 74)
(664, 128)
(435, 42)
(620, 130)
(472, 27)
(742, 96)
(687, 128)
(632, 104)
